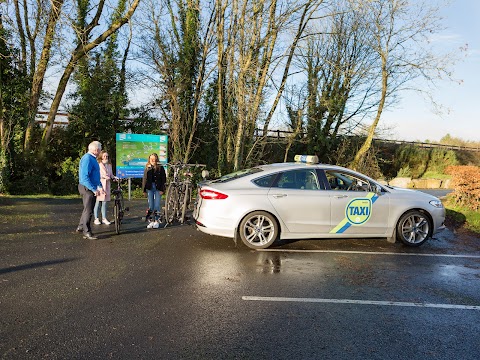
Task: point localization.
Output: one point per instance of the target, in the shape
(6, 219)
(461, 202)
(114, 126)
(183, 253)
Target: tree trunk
(220, 85)
(296, 132)
(300, 29)
(21, 34)
(38, 77)
(371, 131)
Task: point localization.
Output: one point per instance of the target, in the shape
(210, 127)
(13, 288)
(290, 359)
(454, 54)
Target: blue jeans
(104, 209)
(154, 196)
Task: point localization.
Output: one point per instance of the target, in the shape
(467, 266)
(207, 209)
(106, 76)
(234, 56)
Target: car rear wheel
(413, 228)
(258, 230)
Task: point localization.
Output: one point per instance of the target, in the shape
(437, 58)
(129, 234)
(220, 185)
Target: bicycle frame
(179, 193)
(119, 206)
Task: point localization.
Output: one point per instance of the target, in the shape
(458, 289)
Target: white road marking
(371, 253)
(360, 302)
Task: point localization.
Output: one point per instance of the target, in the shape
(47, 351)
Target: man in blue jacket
(89, 186)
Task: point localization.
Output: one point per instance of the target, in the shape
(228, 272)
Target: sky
(413, 119)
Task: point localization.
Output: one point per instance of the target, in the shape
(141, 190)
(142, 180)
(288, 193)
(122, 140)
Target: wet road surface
(176, 293)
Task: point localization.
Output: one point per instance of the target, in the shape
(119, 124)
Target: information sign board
(133, 151)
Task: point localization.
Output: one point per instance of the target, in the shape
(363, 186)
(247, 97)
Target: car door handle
(277, 196)
(340, 196)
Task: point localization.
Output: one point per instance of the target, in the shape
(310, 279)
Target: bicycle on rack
(119, 206)
(178, 199)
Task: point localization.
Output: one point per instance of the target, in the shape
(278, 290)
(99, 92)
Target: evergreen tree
(13, 106)
(100, 100)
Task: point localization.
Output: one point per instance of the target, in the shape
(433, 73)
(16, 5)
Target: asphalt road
(175, 293)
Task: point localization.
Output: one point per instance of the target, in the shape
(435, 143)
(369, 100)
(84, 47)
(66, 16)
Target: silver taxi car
(305, 200)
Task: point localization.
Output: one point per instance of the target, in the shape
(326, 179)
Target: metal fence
(62, 120)
(282, 134)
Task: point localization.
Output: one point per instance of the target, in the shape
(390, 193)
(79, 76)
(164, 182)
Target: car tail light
(212, 195)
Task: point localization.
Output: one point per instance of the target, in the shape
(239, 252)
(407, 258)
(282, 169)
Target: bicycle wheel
(117, 210)
(171, 203)
(180, 199)
(186, 202)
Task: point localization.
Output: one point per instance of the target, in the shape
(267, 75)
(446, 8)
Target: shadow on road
(34, 265)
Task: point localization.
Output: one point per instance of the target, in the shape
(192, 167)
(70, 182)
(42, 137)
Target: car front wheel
(258, 230)
(413, 228)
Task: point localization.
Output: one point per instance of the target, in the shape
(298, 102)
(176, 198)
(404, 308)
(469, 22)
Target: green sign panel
(133, 151)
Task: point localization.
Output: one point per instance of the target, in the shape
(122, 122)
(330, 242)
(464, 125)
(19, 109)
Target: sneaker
(106, 222)
(89, 236)
(155, 225)
(150, 225)
(97, 222)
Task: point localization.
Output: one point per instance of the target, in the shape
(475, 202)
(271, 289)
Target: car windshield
(237, 175)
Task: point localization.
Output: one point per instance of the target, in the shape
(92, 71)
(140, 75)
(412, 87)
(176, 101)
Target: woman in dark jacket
(153, 185)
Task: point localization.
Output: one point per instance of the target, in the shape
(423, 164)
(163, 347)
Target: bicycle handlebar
(177, 167)
(118, 181)
(182, 165)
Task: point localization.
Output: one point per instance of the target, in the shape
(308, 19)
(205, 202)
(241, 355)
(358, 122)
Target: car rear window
(237, 175)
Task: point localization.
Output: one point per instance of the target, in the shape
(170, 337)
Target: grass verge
(463, 217)
(41, 196)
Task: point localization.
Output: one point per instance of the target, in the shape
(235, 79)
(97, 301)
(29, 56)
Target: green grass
(10, 214)
(435, 175)
(41, 196)
(469, 218)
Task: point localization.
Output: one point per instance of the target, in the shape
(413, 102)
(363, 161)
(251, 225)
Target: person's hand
(145, 193)
(160, 192)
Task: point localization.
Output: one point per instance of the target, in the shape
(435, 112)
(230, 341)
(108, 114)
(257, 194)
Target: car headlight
(436, 203)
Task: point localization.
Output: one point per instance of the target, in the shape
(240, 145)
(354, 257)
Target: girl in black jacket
(153, 185)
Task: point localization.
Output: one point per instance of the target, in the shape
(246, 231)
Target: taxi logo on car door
(357, 212)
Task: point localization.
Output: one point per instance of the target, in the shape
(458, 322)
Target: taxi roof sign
(307, 159)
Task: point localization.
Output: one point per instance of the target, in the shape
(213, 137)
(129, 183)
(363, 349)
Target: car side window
(347, 182)
(304, 179)
(265, 181)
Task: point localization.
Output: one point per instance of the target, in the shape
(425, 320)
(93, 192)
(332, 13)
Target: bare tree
(249, 33)
(339, 86)
(309, 9)
(400, 33)
(30, 20)
(51, 20)
(84, 46)
(176, 44)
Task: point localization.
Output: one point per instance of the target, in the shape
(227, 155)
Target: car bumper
(215, 229)
(440, 229)
(438, 220)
